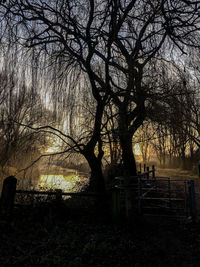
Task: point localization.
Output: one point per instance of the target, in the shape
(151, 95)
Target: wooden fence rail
(9, 191)
(57, 191)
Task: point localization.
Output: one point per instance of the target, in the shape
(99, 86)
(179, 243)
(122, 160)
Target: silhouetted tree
(17, 109)
(115, 43)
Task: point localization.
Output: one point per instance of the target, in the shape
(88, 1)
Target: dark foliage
(51, 235)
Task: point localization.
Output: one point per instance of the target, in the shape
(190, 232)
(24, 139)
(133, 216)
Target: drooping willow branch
(55, 132)
(42, 156)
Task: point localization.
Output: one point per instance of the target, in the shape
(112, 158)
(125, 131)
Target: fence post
(199, 170)
(144, 167)
(147, 173)
(192, 200)
(115, 203)
(169, 191)
(153, 172)
(128, 195)
(185, 197)
(8, 196)
(139, 195)
(58, 195)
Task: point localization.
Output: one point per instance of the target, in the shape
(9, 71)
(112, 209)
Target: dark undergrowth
(57, 235)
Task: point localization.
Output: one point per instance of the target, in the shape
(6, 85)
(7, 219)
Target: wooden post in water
(8, 196)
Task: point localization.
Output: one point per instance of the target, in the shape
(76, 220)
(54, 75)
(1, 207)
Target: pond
(67, 183)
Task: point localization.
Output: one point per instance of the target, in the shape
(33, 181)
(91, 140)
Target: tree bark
(128, 158)
(125, 138)
(97, 182)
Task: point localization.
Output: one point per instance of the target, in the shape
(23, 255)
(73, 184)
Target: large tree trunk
(129, 169)
(125, 138)
(97, 182)
(127, 154)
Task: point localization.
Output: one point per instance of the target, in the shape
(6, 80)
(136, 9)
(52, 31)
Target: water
(67, 183)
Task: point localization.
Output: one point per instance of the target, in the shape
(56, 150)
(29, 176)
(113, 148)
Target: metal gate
(159, 196)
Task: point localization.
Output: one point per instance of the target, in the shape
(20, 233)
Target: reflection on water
(66, 183)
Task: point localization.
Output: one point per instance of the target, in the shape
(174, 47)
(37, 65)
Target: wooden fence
(147, 195)
(11, 197)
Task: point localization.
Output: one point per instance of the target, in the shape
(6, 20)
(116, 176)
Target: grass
(75, 234)
(59, 235)
(176, 174)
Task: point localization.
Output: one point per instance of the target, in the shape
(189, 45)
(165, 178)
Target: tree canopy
(118, 45)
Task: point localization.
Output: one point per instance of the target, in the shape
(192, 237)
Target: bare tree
(116, 44)
(173, 116)
(16, 140)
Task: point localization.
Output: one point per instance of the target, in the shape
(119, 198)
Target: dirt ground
(178, 174)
